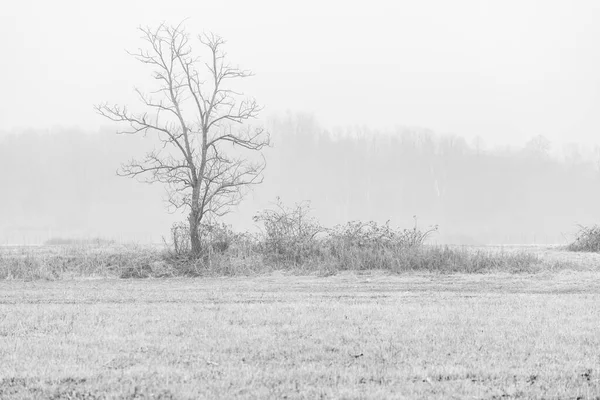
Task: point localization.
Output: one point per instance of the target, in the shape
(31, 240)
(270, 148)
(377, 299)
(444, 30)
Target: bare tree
(199, 121)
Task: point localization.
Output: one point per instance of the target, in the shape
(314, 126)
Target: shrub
(587, 239)
(224, 252)
(372, 235)
(180, 239)
(290, 234)
(360, 245)
(215, 238)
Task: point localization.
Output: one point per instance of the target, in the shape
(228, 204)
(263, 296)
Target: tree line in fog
(64, 183)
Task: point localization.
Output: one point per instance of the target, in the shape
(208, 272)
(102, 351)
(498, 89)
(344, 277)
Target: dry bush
(224, 252)
(359, 245)
(372, 235)
(290, 234)
(587, 239)
(215, 238)
(291, 240)
(180, 239)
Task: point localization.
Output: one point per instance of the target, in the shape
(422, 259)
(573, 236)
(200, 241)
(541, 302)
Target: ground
(351, 336)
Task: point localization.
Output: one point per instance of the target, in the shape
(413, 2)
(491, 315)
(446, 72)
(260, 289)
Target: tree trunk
(194, 234)
(194, 220)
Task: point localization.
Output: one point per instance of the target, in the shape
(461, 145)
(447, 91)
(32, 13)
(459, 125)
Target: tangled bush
(215, 238)
(360, 245)
(587, 239)
(290, 234)
(372, 235)
(180, 239)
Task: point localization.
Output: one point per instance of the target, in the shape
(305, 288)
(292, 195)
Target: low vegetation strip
(291, 240)
(62, 262)
(353, 335)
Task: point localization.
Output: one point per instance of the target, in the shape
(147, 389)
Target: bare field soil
(347, 336)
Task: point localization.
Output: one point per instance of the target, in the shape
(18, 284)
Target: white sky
(505, 70)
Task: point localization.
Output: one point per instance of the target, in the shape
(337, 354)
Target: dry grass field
(353, 335)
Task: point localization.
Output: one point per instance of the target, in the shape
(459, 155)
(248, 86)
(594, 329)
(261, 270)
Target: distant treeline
(477, 196)
(63, 183)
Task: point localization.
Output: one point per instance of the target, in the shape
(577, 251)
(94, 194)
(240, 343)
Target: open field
(352, 335)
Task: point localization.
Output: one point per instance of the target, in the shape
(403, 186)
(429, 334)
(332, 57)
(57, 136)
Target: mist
(478, 117)
(67, 186)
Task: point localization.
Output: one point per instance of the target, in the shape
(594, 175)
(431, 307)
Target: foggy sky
(503, 70)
